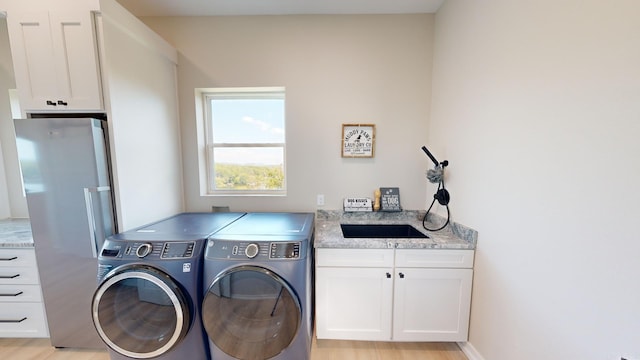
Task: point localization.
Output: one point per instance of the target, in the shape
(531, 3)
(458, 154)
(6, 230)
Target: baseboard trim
(469, 351)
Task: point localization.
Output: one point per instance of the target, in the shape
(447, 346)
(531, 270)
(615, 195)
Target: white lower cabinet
(431, 304)
(393, 295)
(21, 307)
(354, 293)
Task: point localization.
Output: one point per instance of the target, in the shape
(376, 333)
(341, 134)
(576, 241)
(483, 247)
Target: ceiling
(277, 7)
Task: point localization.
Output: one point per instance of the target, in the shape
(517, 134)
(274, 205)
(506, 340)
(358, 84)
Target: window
(245, 141)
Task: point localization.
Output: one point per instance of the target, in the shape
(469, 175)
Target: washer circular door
(140, 312)
(251, 313)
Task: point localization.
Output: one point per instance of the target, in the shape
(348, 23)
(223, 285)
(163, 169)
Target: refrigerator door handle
(91, 219)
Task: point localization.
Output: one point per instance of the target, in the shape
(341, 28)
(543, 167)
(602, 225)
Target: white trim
(249, 91)
(206, 143)
(470, 351)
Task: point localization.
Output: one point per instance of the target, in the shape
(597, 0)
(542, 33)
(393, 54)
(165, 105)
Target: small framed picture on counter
(390, 199)
(358, 140)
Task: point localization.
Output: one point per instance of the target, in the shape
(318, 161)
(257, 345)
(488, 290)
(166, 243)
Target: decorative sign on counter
(390, 199)
(358, 140)
(357, 204)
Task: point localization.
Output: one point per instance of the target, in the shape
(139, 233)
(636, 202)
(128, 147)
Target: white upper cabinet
(55, 60)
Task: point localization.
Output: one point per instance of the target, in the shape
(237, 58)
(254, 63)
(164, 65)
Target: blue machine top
(185, 226)
(271, 224)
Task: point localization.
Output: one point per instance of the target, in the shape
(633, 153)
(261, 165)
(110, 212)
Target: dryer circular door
(251, 313)
(140, 312)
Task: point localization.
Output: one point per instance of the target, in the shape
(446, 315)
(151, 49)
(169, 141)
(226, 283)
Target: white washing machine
(258, 288)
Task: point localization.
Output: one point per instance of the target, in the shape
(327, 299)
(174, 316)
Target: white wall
(336, 69)
(140, 75)
(12, 201)
(5, 210)
(537, 106)
(5, 114)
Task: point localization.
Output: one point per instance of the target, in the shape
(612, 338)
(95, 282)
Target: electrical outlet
(320, 200)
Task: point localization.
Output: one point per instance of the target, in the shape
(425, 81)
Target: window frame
(209, 145)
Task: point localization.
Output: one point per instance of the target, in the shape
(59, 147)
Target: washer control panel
(243, 250)
(169, 250)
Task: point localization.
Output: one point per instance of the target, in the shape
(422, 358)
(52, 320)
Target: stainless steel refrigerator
(66, 173)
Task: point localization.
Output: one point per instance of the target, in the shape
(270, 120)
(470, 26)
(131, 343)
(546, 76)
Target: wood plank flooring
(40, 349)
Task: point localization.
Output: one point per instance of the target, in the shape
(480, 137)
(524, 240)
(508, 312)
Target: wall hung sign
(358, 140)
(390, 199)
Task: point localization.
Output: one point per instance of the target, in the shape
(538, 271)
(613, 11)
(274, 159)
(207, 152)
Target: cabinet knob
(388, 276)
(401, 275)
(60, 102)
(49, 102)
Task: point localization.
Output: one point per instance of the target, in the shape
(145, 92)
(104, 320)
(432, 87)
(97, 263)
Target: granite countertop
(15, 233)
(329, 235)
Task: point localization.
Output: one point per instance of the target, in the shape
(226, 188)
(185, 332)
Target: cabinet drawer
(354, 257)
(20, 293)
(18, 275)
(17, 257)
(22, 320)
(419, 258)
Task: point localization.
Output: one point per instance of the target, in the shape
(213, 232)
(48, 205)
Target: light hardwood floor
(40, 349)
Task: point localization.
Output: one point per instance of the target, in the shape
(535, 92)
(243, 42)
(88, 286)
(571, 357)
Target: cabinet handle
(60, 102)
(15, 294)
(9, 276)
(8, 259)
(49, 102)
(401, 275)
(388, 276)
(13, 321)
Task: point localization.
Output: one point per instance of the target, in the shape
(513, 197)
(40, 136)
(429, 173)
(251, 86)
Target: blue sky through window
(248, 121)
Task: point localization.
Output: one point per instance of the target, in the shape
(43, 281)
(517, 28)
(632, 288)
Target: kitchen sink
(380, 231)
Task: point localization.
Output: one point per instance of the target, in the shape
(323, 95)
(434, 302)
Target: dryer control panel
(243, 250)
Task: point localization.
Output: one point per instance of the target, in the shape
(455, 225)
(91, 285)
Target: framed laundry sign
(358, 140)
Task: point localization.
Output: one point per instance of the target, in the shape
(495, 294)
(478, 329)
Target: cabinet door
(353, 303)
(55, 60)
(432, 304)
(32, 53)
(74, 47)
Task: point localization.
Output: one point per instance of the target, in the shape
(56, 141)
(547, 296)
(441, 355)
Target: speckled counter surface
(329, 235)
(15, 233)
